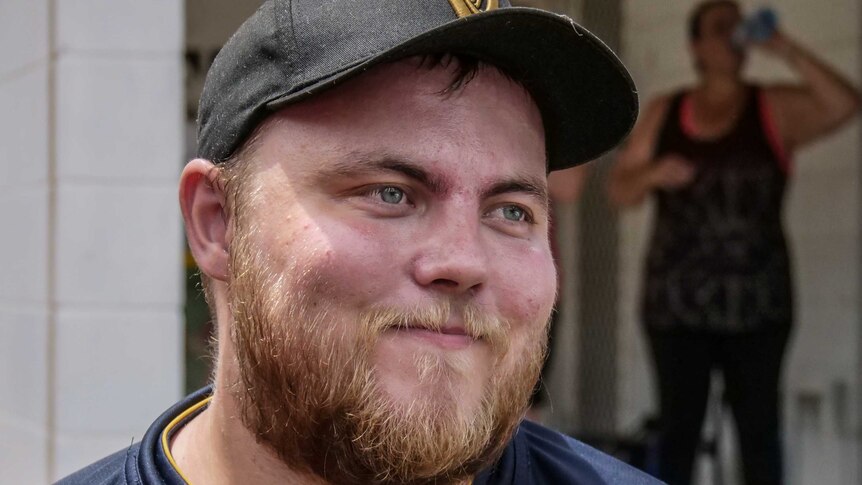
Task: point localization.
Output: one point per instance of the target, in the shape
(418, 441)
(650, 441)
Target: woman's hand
(672, 172)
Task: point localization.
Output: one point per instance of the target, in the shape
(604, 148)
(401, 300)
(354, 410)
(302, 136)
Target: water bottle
(757, 27)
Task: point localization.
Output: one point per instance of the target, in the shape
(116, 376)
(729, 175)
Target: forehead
(488, 126)
(720, 13)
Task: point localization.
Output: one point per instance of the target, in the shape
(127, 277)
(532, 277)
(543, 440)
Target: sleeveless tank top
(718, 259)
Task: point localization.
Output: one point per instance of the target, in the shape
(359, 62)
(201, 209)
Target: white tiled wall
(24, 116)
(23, 397)
(24, 248)
(23, 333)
(107, 111)
(120, 246)
(131, 366)
(23, 35)
(23, 453)
(23, 244)
(118, 252)
(112, 26)
(823, 214)
(91, 245)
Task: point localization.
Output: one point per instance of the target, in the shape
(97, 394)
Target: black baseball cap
(290, 50)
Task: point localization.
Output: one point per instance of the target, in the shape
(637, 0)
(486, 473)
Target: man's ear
(203, 204)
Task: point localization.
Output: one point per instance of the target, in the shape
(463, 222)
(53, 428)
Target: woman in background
(717, 156)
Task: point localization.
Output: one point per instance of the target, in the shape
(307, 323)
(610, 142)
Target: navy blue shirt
(536, 455)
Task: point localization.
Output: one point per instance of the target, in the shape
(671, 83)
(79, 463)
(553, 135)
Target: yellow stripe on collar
(166, 434)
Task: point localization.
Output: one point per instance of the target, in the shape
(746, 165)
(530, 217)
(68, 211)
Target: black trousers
(751, 366)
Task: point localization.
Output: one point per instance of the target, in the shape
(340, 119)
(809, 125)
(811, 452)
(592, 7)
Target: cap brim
(587, 98)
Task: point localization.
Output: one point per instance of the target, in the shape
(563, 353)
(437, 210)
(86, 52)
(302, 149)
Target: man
(370, 214)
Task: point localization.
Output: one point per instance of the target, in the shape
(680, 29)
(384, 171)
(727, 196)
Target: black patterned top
(718, 258)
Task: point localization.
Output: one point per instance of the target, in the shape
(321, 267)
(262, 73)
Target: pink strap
(686, 121)
(772, 135)
(686, 117)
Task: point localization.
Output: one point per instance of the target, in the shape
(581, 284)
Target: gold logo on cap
(464, 8)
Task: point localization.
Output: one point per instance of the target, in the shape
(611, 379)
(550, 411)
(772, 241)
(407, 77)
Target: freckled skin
(444, 246)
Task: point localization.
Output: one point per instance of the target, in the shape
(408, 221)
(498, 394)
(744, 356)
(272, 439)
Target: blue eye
(391, 195)
(514, 213)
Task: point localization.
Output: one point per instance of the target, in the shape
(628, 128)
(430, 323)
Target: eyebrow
(352, 166)
(358, 165)
(522, 184)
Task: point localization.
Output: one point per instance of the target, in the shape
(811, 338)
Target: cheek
(527, 296)
(339, 261)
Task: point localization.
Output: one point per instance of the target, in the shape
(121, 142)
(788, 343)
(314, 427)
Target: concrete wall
(90, 150)
(823, 217)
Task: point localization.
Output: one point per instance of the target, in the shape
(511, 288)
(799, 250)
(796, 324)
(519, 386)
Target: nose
(452, 259)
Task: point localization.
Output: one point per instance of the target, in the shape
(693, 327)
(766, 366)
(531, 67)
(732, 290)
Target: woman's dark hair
(696, 16)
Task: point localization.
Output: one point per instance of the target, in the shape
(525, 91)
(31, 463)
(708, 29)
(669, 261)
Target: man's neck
(216, 448)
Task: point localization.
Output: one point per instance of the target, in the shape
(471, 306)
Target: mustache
(441, 316)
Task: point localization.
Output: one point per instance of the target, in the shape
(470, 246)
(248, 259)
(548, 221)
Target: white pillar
(90, 297)
(23, 240)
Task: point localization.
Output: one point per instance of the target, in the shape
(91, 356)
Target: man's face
(391, 275)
